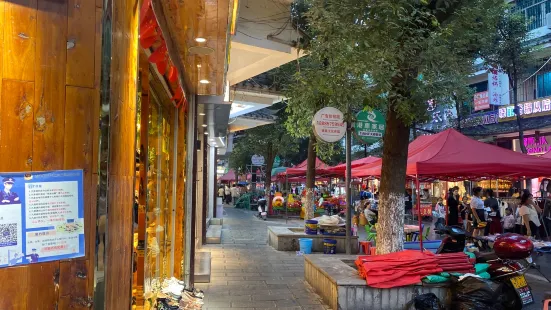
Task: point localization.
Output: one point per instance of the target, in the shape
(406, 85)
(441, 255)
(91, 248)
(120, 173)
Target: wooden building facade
(77, 91)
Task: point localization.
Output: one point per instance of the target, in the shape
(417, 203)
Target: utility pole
(347, 185)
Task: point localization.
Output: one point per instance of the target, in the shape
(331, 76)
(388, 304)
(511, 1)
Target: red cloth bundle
(397, 269)
(455, 262)
(409, 267)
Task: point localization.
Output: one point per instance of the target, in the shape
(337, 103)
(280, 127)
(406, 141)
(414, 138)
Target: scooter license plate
(519, 282)
(523, 290)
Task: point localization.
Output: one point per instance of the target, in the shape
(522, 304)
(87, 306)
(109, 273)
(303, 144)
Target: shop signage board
(426, 209)
(41, 217)
(257, 160)
(498, 87)
(532, 108)
(537, 146)
(480, 119)
(369, 126)
(329, 125)
(481, 101)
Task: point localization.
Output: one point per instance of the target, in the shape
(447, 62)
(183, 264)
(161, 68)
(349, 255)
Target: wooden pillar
(122, 139)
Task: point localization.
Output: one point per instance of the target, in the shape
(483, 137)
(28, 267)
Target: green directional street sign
(369, 126)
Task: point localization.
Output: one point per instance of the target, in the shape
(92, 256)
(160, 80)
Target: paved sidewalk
(249, 274)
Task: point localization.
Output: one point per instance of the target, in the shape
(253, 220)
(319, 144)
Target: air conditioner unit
(548, 20)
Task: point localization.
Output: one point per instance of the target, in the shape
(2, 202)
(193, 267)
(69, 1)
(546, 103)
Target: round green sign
(369, 126)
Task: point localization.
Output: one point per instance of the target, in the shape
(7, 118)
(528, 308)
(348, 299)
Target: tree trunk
(390, 232)
(269, 163)
(519, 119)
(458, 110)
(310, 178)
(268, 182)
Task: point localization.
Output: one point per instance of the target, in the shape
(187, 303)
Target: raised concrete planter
(214, 234)
(341, 288)
(216, 221)
(286, 239)
(202, 267)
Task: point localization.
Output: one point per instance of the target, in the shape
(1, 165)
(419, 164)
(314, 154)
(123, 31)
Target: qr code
(8, 234)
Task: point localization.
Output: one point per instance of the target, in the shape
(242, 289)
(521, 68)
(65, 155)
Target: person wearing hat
(7, 197)
(34, 256)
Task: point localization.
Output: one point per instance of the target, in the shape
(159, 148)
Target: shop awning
(449, 155)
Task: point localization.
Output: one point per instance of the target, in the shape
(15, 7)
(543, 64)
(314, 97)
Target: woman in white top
(477, 206)
(518, 221)
(529, 214)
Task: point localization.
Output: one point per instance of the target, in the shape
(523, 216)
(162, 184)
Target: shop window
(544, 85)
(159, 194)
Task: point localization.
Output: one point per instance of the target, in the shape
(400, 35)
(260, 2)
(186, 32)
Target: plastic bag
(435, 279)
(481, 267)
(476, 294)
(427, 302)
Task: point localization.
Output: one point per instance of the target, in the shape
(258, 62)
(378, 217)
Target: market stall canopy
(228, 177)
(278, 170)
(355, 164)
(300, 169)
(449, 155)
(319, 164)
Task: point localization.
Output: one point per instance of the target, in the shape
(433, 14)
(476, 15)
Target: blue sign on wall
(41, 217)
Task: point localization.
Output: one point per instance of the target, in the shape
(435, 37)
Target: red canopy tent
(228, 177)
(449, 155)
(358, 163)
(300, 169)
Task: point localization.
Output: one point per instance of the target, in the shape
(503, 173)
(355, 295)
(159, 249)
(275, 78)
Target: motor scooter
(508, 262)
(262, 214)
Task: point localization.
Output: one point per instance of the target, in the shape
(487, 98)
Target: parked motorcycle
(511, 258)
(262, 214)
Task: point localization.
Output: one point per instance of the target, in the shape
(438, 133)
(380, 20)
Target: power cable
(249, 35)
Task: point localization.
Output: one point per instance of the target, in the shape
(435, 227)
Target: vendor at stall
(440, 214)
(477, 208)
(494, 213)
(453, 207)
(529, 214)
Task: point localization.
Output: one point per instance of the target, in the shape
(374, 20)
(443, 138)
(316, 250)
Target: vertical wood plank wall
(123, 93)
(49, 111)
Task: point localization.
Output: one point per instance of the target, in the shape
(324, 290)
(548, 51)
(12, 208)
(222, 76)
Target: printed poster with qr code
(41, 217)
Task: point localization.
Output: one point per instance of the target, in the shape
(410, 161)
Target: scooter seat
(485, 257)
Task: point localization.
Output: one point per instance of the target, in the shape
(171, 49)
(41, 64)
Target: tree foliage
(267, 141)
(394, 55)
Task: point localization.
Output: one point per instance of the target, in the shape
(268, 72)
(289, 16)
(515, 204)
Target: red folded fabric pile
(397, 269)
(456, 262)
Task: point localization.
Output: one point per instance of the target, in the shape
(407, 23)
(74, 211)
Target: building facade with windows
(490, 115)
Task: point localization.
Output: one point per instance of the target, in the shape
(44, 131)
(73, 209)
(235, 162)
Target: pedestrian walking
(227, 194)
(234, 193)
